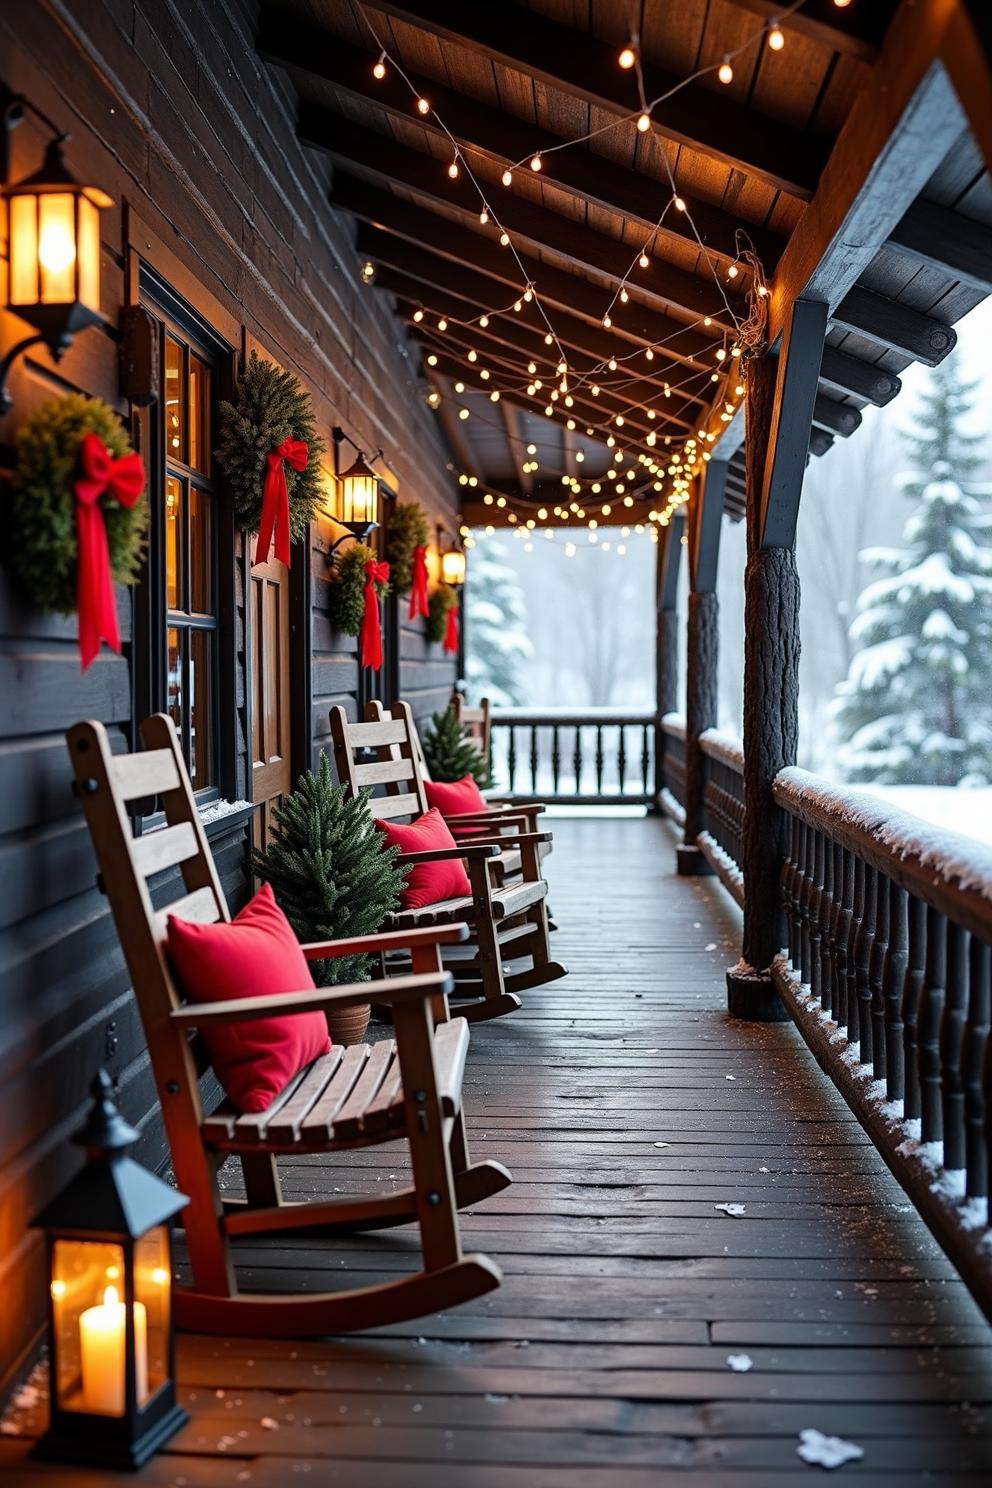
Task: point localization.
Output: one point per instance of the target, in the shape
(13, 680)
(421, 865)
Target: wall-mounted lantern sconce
(453, 562)
(358, 493)
(53, 235)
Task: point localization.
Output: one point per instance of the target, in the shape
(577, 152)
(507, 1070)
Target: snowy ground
(967, 811)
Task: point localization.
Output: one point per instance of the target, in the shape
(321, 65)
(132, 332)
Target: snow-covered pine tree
(916, 706)
(498, 643)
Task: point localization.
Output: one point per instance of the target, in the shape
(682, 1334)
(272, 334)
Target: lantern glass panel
(88, 292)
(359, 498)
(153, 1295)
(23, 250)
(57, 247)
(89, 1313)
(453, 566)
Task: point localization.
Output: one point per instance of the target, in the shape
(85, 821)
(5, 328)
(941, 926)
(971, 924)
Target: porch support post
(779, 419)
(705, 520)
(666, 637)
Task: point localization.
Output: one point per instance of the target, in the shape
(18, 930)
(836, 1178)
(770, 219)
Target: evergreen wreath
(451, 753)
(329, 869)
(441, 601)
(347, 602)
(407, 530)
(271, 405)
(44, 540)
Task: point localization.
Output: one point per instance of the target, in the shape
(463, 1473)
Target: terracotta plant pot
(348, 1025)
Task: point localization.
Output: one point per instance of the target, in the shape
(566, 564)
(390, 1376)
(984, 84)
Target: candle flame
(110, 1297)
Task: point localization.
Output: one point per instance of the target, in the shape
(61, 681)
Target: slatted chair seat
(382, 753)
(347, 1097)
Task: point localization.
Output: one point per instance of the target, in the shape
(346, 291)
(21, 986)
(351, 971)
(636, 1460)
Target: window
(178, 627)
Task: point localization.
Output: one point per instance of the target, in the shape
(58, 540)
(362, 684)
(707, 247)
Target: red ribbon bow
(375, 573)
(451, 629)
(419, 603)
(275, 499)
(123, 481)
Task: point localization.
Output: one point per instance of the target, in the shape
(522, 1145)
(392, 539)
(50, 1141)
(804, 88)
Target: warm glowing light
(607, 321)
(442, 324)
(432, 360)
(463, 413)
(627, 58)
(776, 38)
(483, 217)
(58, 1289)
(379, 70)
(453, 170)
(528, 294)
(423, 106)
(624, 297)
(733, 271)
(680, 204)
(418, 316)
(504, 240)
(643, 260)
(612, 364)
(763, 290)
(725, 72)
(507, 177)
(535, 162)
(644, 123)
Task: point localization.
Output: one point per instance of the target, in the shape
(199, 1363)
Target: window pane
(201, 707)
(175, 401)
(200, 552)
(174, 683)
(199, 414)
(173, 548)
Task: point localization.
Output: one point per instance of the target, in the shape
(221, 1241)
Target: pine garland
(441, 601)
(407, 530)
(451, 753)
(43, 533)
(329, 870)
(347, 597)
(271, 406)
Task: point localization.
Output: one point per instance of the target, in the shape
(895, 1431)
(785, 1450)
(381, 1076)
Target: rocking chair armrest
(518, 803)
(488, 818)
(512, 839)
(385, 940)
(445, 854)
(314, 999)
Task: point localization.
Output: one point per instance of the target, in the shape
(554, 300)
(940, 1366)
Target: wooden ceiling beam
(517, 442)
(573, 62)
(946, 240)
(458, 443)
(897, 326)
(836, 418)
(516, 334)
(503, 139)
(587, 251)
(856, 31)
(472, 252)
(861, 379)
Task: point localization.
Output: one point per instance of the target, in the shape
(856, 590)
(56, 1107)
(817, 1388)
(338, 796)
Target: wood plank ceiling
(602, 269)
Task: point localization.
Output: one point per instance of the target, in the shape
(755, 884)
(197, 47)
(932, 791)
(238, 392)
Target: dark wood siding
(172, 113)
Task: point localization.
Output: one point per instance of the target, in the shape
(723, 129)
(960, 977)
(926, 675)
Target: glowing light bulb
(612, 364)
(627, 58)
(528, 294)
(463, 413)
(725, 72)
(432, 361)
(549, 339)
(494, 396)
(733, 271)
(776, 38)
(644, 123)
(595, 390)
(423, 107)
(453, 170)
(442, 324)
(507, 177)
(607, 321)
(418, 316)
(624, 297)
(483, 321)
(535, 162)
(518, 305)
(643, 260)
(483, 217)
(679, 204)
(721, 355)
(649, 354)
(379, 70)
(504, 240)
(473, 356)
(763, 290)
(484, 374)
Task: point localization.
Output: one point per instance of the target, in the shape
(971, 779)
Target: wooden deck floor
(628, 1108)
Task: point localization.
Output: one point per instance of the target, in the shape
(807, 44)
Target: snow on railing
(888, 974)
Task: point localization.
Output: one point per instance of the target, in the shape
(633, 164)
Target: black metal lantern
(53, 248)
(109, 1254)
(358, 493)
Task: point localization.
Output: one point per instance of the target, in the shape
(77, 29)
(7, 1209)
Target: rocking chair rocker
(408, 1089)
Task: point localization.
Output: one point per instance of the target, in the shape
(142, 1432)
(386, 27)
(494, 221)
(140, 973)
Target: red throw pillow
(455, 797)
(428, 883)
(253, 956)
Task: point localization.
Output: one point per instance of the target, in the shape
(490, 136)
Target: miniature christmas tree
(329, 870)
(450, 753)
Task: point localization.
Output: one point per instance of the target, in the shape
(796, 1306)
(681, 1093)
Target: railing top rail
(947, 870)
(673, 724)
(573, 715)
(723, 747)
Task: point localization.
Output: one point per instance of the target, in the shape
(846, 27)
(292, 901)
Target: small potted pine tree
(332, 877)
(450, 751)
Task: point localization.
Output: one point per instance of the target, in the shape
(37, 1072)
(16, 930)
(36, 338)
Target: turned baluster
(826, 928)
(599, 759)
(862, 952)
(894, 980)
(790, 890)
(511, 758)
(577, 759)
(843, 935)
(622, 757)
(950, 1040)
(973, 1052)
(533, 758)
(857, 920)
(555, 759)
(876, 974)
(805, 903)
(645, 757)
(815, 921)
(911, 993)
(928, 1032)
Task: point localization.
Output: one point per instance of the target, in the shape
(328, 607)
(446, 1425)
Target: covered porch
(642, 1332)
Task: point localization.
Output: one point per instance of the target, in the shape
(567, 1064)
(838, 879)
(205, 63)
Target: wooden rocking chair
(508, 920)
(408, 1089)
(479, 725)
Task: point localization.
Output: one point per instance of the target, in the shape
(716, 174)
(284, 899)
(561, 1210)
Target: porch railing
(671, 776)
(723, 798)
(592, 757)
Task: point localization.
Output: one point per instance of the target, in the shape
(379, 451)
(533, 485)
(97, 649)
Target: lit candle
(102, 1351)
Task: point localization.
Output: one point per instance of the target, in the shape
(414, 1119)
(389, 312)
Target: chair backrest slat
(389, 808)
(382, 772)
(156, 851)
(200, 907)
(150, 773)
(396, 766)
(478, 721)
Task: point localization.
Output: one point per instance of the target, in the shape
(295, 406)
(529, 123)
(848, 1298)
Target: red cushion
(455, 797)
(428, 883)
(256, 954)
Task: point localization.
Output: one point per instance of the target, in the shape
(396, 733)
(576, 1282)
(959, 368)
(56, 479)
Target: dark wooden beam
(946, 240)
(896, 326)
(579, 65)
(850, 375)
(820, 441)
(791, 419)
(464, 454)
(857, 30)
(838, 418)
(470, 250)
(705, 521)
(517, 443)
(503, 139)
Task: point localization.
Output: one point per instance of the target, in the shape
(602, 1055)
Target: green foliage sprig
(450, 751)
(271, 405)
(408, 529)
(43, 503)
(329, 870)
(347, 601)
(441, 601)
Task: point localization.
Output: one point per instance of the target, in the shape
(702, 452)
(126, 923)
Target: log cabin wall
(173, 114)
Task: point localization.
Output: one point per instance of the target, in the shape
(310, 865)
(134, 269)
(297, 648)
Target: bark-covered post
(779, 414)
(702, 653)
(666, 638)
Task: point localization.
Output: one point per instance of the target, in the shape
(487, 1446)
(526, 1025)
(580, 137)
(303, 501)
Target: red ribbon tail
(371, 629)
(419, 601)
(95, 598)
(451, 630)
(282, 525)
(272, 502)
